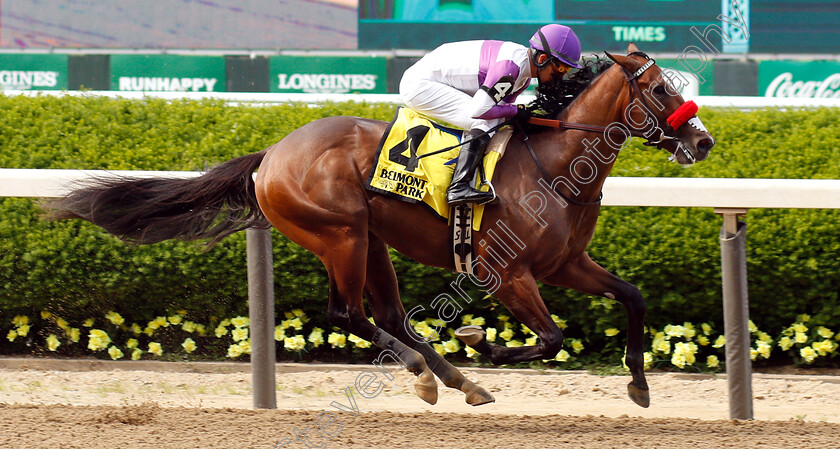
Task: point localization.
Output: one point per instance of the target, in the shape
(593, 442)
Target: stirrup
(492, 190)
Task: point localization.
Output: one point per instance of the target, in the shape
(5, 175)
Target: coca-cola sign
(798, 79)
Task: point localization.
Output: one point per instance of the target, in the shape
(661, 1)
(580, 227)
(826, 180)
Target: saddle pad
(399, 172)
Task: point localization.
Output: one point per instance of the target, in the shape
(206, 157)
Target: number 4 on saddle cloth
(401, 171)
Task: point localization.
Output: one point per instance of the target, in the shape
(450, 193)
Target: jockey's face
(552, 72)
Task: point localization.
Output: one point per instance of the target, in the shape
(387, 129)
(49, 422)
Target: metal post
(736, 315)
(261, 312)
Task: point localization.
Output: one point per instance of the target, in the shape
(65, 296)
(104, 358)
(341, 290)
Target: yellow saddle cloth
(401, 171)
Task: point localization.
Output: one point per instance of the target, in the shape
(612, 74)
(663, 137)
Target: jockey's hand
(522, 114)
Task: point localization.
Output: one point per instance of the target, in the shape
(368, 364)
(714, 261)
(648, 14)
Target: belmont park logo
(326, 83)
(784, 86)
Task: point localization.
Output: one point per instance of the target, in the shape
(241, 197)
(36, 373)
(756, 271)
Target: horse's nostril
(705, 145)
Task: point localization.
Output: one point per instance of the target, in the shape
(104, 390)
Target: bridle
(665, 132)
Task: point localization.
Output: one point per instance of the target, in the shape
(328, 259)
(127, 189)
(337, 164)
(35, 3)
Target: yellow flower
(503, 318)
(240, 321)
(161, 321)
(439, 348)
(358, 341)
(221, 331)
(753, 328)
(23, 330)
(279, 333)
(648, 358)
(808, 354)
(803, 318)
(466, 319)
(451, 346)
(491, 333)
(683, 354)
(707, 328)
(719, 342)
(189, 345)
(296, 323)
(560, 323)
(824, 332)
(149, 331)
(532, 340)
(88, 322)
(799, 327)
(824, 347)
(690, 332)
(562, 356)
(12, 335)
(201, 329)
(800, 337)
(678, 360)
(224, 323)
(136, 329)
(131, 343)
(703, 340)
(98, 340)
(674, 331)
(513, 344)
(577, 346)
(785, 343)
(175, 319)
(155, 348)
(63, 325)
(525, 330)
(294, 343)
(764, 349)
(316, 337)
(75, 334)
(611, 332)
(471, 353)
(337, 340)
(188, 326)
(53, 342)
(115, 353)
(478, 321)
(245, 345)
(20, 320)
(45, 315)
(506, 334)
(234, 351)
(136, 354)
(662, 346)
(181, 312)
(114, 318)
(712, 361)
(763, 336)
(239, 334)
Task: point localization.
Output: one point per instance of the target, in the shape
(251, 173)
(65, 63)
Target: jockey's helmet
(557, 41)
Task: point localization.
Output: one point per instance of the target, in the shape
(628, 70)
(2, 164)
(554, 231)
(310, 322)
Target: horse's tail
(211, 206)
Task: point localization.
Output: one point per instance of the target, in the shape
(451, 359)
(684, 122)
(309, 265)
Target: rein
(676, 119)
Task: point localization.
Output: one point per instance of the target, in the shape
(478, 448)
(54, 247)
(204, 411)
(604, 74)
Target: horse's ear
(620, 60)
(609, 55)
(632, 48)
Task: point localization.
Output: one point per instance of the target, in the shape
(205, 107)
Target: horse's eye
(659, 90)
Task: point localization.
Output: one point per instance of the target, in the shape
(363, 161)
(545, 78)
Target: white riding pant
(442, 102)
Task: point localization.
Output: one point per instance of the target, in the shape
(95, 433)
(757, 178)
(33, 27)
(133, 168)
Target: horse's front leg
(584, 275)
(519, 293)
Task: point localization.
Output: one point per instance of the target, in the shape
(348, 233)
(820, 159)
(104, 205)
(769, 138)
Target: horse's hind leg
(584, 275)
(383, 296)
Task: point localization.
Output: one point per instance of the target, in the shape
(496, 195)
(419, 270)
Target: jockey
(473, 84)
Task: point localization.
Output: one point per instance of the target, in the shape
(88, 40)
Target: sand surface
(93, 404)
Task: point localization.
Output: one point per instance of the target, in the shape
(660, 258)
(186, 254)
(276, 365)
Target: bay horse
(310, 186)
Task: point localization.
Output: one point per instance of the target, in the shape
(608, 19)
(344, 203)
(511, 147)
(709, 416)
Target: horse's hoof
(639, 396)
(470, 335)
(475, 394)
(426, 387)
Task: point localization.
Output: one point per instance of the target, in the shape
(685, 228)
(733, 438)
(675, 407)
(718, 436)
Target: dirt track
(207, 406)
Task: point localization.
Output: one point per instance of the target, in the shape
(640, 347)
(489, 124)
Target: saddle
(409, 166)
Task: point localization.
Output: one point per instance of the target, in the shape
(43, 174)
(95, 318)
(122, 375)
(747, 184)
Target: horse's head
(656, 109)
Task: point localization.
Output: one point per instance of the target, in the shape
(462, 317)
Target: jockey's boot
(460, 190)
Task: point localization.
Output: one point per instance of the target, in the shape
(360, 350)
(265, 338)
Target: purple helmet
(558, 41)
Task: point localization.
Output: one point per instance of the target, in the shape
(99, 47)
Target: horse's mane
(553, 98)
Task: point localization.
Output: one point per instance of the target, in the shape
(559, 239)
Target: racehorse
(310, 186)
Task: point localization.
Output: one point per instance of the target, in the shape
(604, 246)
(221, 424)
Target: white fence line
(268, 99)
(618, 191)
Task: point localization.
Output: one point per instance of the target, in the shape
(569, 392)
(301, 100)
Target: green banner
(168, 73)
(799, 79)
(329, 74)
(33, 72)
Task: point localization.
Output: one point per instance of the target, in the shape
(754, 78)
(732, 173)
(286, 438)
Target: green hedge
(75, 270)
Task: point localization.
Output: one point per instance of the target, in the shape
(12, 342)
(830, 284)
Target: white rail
(618, 191)
(262, 99)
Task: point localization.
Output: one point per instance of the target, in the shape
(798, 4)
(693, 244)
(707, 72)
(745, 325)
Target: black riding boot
(460, 190)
